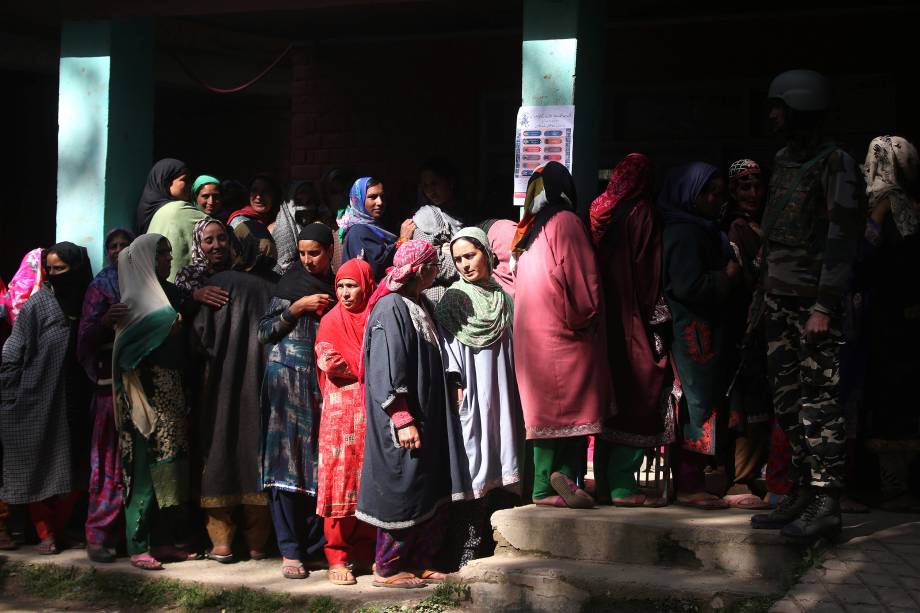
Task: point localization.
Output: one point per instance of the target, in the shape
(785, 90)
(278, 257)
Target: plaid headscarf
(409, 259)
(742, 168)
(194, 275)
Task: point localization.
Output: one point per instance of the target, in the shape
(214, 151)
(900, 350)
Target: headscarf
(107, 279)
(742, 168)
(344, 329)
(678, 195)
(193, 276)
(27, 280)
(409, 259)
(476, 314)
(156, 191)
(298, 282)
(356, 213)
(263, 217)
(630, 181)
(550, 189)
(891, 165)
(148, 323)
(70, 287)
(202, 181)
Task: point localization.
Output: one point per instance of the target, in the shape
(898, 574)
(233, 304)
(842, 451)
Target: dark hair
(118, 232)
(272, 185)
(442, 167)
(372, 181)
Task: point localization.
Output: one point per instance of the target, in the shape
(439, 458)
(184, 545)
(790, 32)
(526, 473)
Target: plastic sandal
(291, 571)
(341, 571)
(574, 496)
(393, 582)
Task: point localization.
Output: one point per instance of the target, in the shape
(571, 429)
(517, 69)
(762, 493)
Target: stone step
(669, 537)
(529, 583)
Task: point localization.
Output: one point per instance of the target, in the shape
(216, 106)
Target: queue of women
(302, 374)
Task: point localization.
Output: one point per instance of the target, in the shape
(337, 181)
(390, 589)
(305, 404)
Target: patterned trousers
(805, 378)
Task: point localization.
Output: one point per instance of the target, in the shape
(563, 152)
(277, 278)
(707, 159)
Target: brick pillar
(305, 108)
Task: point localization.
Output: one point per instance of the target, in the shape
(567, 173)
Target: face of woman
(427, 274)
(314, 257)
(261, 196)
(164, 259)
(748, 192)
(55, 265)
(179, 188)
(209, 198)
(115, 246)
(350, 294)
(436, 188)
(374, 203)
(470, 260)
(215, 244)
(709, 202)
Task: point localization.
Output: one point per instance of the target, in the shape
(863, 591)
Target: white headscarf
(148, 323)
(891, 163)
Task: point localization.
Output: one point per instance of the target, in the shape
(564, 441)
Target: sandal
(100, 554)
(574, 496)
(172, 553)
(222, 558)
(258, 555)
(404, 581)
(639, 500)
(702, 501)
(47, 548)
(750, 502)
(551, 501)
(432, 576)
(294, 571)
(145, 561)
(341, 575)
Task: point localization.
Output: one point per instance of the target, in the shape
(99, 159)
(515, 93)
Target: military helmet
(802, 90)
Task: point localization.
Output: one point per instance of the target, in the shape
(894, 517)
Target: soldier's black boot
(821, 519)
(786, 511)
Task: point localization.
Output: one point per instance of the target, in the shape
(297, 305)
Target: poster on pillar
(543, 134)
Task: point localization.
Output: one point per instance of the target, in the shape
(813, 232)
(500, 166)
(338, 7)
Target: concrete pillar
(563, 53)
(105, 127)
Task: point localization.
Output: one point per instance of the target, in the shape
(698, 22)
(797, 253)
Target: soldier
(812, 224)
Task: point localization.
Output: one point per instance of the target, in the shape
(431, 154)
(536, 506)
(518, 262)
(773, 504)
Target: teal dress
(697, 290)
(291, 400)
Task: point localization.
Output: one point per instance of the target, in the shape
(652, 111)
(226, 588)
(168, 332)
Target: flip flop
(392, 582)
(551, 501)
(341, 571)
(704, 504)
(638, 500)
(47, 548)
(290, 571)
(223, 559)
(750, 502)
(429, 575)
(574, 496)
(147, 562)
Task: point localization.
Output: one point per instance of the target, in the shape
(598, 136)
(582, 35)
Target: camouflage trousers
(805, 378)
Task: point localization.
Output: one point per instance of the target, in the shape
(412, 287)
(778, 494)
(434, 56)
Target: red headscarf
(344, 329)
(631, 179)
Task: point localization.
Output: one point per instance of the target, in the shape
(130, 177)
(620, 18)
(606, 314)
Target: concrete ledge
(672, 536)
(528, 583)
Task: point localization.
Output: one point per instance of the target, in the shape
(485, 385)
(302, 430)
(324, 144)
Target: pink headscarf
(27, 280)
(409, 259)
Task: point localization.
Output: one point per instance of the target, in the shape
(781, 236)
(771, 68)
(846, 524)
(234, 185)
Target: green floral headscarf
(476, 314)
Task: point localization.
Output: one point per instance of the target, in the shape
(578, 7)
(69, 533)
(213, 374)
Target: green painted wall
(105, 128)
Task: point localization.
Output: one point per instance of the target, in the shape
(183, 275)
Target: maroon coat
(627, 235)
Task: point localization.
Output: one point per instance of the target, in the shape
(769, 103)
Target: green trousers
(615, 469)
(146, 523)
(566, 455)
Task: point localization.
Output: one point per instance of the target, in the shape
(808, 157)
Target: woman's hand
(314, 303)
(212, 296)
(408, 437)
(115, 315)
(177, 325)
(459, 396)
(407, 230)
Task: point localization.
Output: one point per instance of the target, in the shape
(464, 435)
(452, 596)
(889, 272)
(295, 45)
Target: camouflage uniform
(812, 223)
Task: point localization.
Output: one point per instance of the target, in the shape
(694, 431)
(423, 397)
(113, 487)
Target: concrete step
(673, 536)
(530, 583)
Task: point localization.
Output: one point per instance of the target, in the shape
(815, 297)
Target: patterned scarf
(476, 314)
(630, 181)
(195, 274)
(892, 163)
(550, 189)
(356, 214)
(409, 259)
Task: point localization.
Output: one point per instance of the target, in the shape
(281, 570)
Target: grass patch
(52, 582)
(447, 595)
